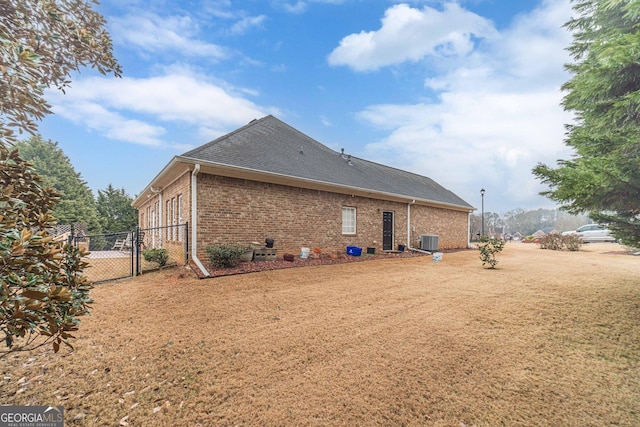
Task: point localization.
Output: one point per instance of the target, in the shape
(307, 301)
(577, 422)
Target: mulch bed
(280, 263)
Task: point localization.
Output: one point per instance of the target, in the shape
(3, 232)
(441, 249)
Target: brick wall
(449, 225)
(237, 211)
(179, 187)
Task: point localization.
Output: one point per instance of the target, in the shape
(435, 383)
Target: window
(156, 221)
(180, 237)
(173, 215)
(168, 220)
(348, 220)
(174, 219)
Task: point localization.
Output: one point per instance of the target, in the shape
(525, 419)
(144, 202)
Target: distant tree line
(525, 222)
(110, 212)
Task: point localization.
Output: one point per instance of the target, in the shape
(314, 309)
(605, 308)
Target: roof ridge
(389, 167)
(299, 132)
(252, 123)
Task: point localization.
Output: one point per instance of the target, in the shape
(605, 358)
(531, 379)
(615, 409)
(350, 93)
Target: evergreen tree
(603, 178)
(115, 210)
(77, 203)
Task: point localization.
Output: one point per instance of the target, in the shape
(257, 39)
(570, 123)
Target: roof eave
(215, 168)
(161, 179)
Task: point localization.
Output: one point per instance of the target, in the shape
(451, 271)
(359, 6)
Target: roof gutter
(194, 220)
(156, 182)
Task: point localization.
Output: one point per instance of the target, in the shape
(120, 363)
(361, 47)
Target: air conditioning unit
(429, 242)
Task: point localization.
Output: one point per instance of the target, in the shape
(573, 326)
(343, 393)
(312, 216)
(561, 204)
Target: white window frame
(156, 222)
(349, 220)
(180, 237)
(174, 219)
(168, 220)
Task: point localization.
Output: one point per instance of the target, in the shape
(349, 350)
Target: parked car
(592, 233)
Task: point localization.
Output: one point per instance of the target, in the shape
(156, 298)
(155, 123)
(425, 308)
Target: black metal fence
(129, 253)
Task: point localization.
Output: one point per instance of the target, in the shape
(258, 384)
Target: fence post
(137, 246)
(71, 236)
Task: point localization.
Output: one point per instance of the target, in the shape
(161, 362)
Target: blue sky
(465, 92)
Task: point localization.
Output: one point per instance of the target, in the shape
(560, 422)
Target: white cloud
(219, 9)
(246, 23)
(409, 34)
(155, 34)
(111, 124)
(175, 98)
(496, 115)
(300, 6)
(325, 121)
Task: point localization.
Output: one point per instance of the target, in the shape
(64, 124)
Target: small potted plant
(247, 255)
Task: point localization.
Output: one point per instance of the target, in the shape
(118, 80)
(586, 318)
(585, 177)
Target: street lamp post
(482, 194)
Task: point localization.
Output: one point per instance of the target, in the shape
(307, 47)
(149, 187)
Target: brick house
(268, 180)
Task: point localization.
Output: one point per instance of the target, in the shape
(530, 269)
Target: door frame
(387, 241)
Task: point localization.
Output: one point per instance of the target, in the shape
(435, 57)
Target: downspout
(409, 230)
(194, 220)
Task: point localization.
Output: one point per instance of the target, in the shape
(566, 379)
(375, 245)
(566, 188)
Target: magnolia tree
(43, 292)
(489, 247)
(42, 43)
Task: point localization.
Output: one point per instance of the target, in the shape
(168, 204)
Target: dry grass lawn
(548, 339)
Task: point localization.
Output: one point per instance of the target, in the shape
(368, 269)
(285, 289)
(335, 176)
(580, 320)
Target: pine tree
(603, 178)
(115, 210)
(77, 203)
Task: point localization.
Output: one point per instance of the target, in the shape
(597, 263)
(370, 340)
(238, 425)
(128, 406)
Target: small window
(348, 220)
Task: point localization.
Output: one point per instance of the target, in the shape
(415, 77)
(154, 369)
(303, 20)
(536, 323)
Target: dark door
(387, 231)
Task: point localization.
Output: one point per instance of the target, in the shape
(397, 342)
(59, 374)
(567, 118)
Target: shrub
(572, 242)
(488, 248)
(553, 241)
(557, 242)
(156, 255)
(225, 255)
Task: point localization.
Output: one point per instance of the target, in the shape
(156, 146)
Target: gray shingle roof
(272, 146)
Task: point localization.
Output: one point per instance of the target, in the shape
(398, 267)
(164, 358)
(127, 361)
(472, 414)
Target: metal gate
(129, 253)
